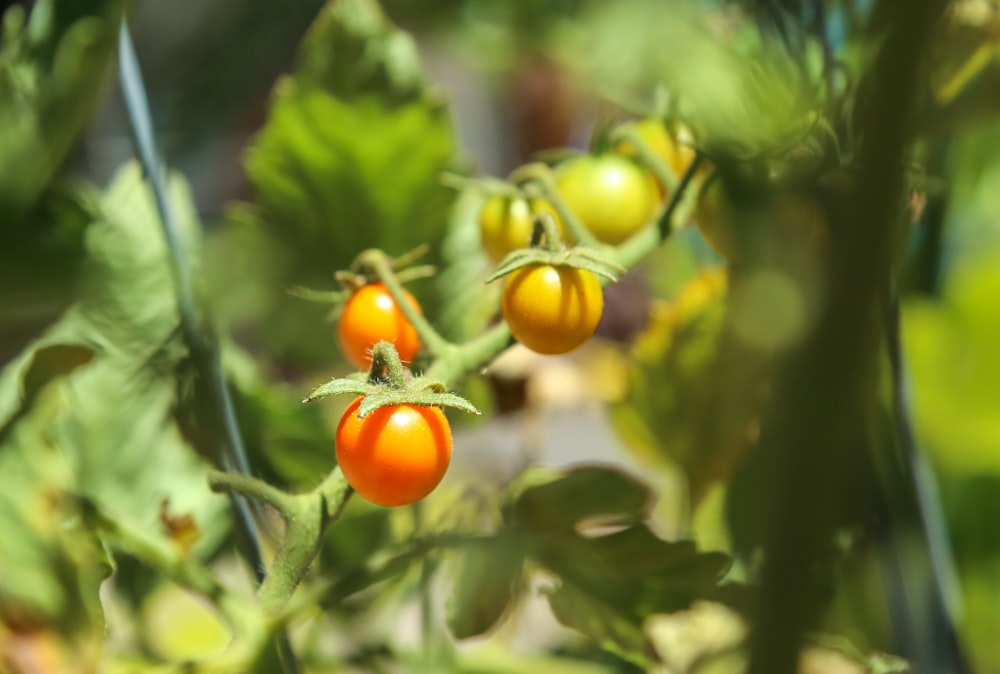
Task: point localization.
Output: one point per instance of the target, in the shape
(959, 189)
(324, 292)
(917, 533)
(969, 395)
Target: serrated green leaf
(488, 572)
(544, 501)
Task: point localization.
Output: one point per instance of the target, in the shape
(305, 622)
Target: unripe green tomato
(506, 224)
(612, 196)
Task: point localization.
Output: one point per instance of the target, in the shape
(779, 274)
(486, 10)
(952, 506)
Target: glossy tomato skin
(370, 316)
(612, 195)
(550, 309)
(396, 455)
(506, 224)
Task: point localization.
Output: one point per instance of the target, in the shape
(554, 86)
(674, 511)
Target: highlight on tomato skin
(396, 455)
(552, 309)
(370, 316)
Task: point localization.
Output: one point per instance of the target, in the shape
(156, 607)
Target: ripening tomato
(396, 455)
(613, 196)
(673, 146)
(506, 224)
(370, 316)
(552, 309)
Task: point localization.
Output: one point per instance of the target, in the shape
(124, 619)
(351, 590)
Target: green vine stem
(379, 264)
(665, 221)
(251, 487)
(538, 182)
(307, 522)
(648, 158)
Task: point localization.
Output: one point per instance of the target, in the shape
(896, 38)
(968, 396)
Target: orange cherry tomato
(396, 455)
(370, 316)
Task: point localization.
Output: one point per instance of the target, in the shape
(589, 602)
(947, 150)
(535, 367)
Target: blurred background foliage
(304, 132)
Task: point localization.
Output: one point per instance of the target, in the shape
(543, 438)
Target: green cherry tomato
(612, 195)
(552, 309)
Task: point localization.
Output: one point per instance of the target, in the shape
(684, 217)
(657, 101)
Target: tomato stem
(538, 182)
(251, 487)
(379, 264)
(664, 224)
(386, 367)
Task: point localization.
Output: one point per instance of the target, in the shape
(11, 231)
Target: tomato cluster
(612, 194)
(552, 302)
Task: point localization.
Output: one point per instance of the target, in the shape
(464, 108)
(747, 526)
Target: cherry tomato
(396, 455)
(552, 309)
(613, 197)
(673, 146)
(370, 316)
(506, 224)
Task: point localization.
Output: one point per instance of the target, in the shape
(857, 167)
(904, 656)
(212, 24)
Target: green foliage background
(98, 385)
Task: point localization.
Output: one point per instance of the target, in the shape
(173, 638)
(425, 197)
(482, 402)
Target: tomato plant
(397, 454)
(612, 196)
(506, 223)
(370, 316)
(552, 309)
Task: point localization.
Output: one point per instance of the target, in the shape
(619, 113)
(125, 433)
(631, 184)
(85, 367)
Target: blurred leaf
(604, 624)
(584, 525)
(488, 573)
(678, 402)
(543, 501)
(744, 94)
(179, 627)
(353, 50)
(50, 75)
(951, 348)
(111, 423)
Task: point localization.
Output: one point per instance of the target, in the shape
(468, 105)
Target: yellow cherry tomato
(552, 309)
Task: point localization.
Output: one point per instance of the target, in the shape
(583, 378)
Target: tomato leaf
(543, 501)
(589, 615)
(50, 72)
(112, 421)
(488, 574)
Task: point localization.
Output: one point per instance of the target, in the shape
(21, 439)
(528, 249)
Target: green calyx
(389, 383)
(547, 249)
